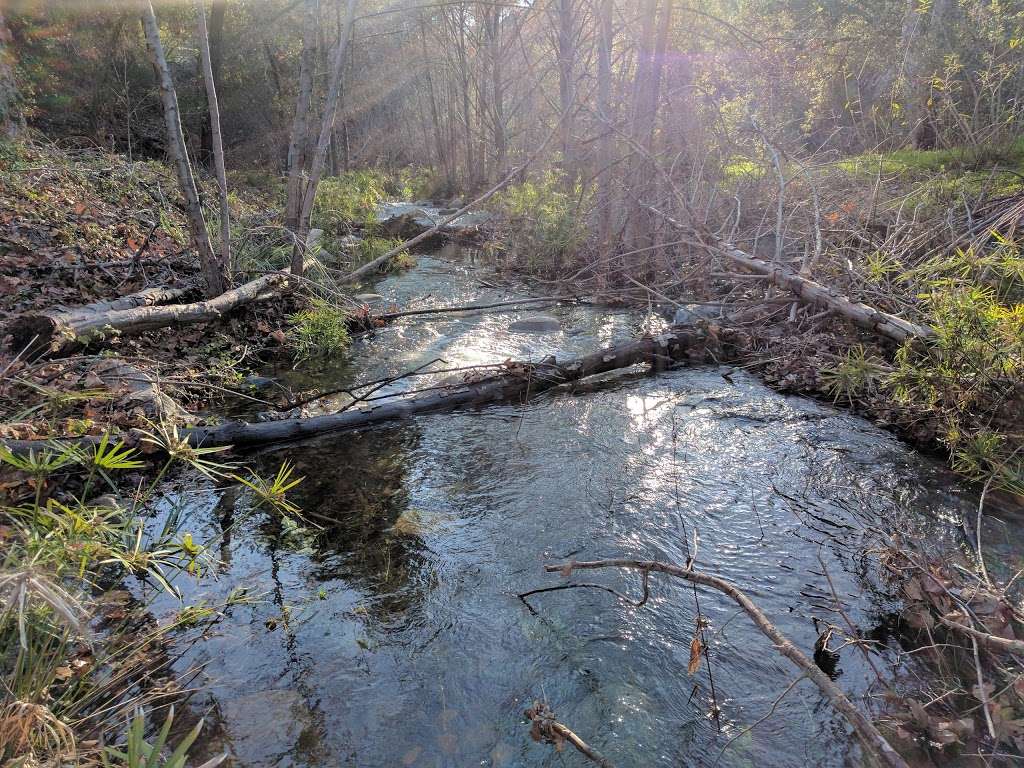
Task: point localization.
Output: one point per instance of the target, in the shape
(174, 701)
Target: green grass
(919, 162)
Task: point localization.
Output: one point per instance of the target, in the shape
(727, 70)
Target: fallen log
(517, 382)
(810, 291)
(813, 292)
(60, 326)
(63, 331)
(873, 741)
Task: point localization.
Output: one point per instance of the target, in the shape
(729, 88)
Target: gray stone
(258, 382)
(536, 324)
(367, 298)
(693, 313)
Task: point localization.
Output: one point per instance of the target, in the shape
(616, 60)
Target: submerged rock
(693, 313)
(536, 324)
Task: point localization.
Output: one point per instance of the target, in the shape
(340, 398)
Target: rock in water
(536, 324)
(367, 298)
(693, 313)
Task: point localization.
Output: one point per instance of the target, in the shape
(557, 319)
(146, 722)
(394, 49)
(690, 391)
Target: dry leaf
(696, 648)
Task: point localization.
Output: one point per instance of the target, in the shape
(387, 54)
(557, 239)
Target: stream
(396, 638)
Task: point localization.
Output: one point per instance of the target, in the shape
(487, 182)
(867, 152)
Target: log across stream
(394, 637)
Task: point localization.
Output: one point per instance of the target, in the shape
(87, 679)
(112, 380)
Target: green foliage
(320, 329)
(972, 373)
(856, 375)
(349, 200)
(547, 227)
(57, 557)
(139, 753)
(371, 248)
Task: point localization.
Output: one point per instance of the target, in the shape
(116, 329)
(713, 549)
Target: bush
(348, 201)
(972, 374)
(319, 330)
(547, 227)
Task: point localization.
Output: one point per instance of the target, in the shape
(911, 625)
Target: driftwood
(57, 329)
(516, 382)
(866, 731)
(61, 331)
(813, 292)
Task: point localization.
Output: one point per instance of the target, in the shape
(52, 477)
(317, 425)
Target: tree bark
(215, 37)
(566, 84)
(298, 141)
(522, 380)
(213, 106)
(60, 329)
(605, 147)
(213, 270)
(11, 120)
(324, 140)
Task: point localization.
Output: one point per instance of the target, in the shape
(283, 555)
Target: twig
(547, 729)
(765, 716)
(869, 735)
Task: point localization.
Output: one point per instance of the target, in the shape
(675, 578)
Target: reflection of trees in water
(355, 490)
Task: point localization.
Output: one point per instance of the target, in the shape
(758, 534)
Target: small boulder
(691, 314)
(368, 298)
(536, 324)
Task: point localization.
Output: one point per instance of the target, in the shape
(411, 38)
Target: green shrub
(349, 200)
(319, 330)
(547, 227)
(971, 376)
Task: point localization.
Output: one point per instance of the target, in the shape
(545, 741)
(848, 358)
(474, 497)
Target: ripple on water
(406, 644)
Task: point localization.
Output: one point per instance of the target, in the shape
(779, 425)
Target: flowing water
(396, 638)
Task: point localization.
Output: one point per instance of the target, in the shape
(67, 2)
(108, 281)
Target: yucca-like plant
(139, 753)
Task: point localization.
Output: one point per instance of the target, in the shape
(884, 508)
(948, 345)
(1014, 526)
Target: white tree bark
(213, 270)
(218, 145)
(323, 143)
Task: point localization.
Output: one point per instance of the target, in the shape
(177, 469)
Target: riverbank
(272, 360)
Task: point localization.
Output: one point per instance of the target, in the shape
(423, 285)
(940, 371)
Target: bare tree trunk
(298, 140)
(216, 144)
(213, 270)
(566, 84)
(326, 129)
(215, 36)
(11, 119)
(605, 195)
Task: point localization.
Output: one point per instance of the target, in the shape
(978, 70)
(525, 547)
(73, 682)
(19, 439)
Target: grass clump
(80, 654)
(546, 225)
(349, 201)
(319, 330)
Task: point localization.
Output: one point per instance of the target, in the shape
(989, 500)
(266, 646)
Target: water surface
(396, 638)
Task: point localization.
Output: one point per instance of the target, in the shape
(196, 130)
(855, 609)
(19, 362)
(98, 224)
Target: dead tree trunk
(520, 380)
(61, 329)
(890, 326)
(216, 144)
(213, 270)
